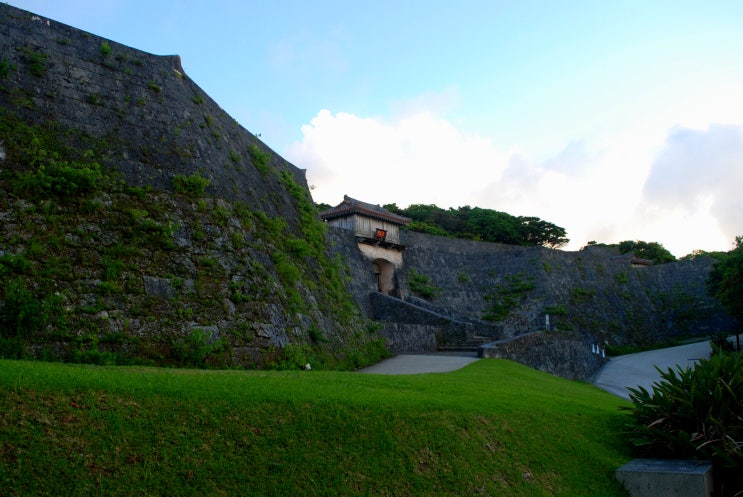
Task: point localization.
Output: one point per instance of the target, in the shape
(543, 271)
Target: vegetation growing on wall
(259, 157)
(101, 272)
(36, 61)
(504, 298)
(421, 285)
(194, 185)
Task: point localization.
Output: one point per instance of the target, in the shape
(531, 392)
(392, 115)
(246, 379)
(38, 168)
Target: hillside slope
(493, 428)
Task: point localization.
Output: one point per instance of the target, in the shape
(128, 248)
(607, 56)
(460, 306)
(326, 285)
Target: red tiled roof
(351, 206)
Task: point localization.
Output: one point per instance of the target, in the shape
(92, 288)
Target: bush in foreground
(694, 413)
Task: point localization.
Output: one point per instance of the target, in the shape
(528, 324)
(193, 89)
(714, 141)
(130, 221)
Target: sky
(614, 120)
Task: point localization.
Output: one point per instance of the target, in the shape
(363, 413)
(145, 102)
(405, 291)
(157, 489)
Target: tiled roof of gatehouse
(351, 206)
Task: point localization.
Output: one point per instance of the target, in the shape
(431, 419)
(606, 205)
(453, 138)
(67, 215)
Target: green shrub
(22, 313)
(295, 356)
(316, 335)
(556, 310)
(259, 158)
(298, 247)
(12, 348)
(105, 49)
(195, 350)
(137, 191)
(4, 68)
(693, 413)
(61, 177)
(221, 215)
(581, 295)
(36, 61)
(421, 285)
(288, 272)
(14, 264)
(94, 356)
(506, 297)
(719, 342)
(193, 185)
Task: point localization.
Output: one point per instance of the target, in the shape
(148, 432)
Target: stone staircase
(471, 345)
(453, 333)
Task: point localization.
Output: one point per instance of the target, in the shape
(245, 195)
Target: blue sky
(615, 120)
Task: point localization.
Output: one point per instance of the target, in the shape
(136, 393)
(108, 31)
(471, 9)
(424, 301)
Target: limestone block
(666, 478)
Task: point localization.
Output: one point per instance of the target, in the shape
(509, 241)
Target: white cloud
(630, 186)
(418, 158)
(697, 178)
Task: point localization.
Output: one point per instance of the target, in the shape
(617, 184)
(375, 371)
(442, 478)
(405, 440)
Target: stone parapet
(563, 355)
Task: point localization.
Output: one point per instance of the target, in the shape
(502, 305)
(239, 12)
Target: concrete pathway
(433, 362)
(632, 370)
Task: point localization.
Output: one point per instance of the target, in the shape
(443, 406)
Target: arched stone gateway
(377, 234)
(384, 273)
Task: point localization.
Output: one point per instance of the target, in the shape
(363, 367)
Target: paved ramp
(422, 363)
(632, 370)
(619, 373)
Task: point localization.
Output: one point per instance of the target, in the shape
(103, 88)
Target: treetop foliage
(725, 281)
(475, 223)
(653, 251)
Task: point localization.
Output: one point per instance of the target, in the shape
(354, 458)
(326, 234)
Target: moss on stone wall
(146, 224)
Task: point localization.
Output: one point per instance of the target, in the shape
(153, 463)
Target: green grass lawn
(492, 428)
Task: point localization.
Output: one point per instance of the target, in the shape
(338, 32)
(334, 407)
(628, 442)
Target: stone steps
(464, 348)
(470, 345)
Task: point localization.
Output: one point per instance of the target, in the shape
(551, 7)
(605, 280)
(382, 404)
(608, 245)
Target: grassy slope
(493, 428)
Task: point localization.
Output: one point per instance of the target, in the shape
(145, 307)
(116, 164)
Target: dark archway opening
(384, 272)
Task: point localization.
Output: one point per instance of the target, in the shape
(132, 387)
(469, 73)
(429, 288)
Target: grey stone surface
(595, 291)
(633, 370)
(593, 296)
(149, 122)
(159, 287)
(422, 363)
(156, 121)
(567, 356)
(403, 338)
(666, 478)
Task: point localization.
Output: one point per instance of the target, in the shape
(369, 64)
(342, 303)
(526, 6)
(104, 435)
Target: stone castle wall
(154, 120)
(594, 295)
(139, 272)
(594, 291)
(150, 122)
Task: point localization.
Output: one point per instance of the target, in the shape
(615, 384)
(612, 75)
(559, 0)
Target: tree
(653, 251)
(539, 232)
(493, 226)
(725, 282)
(486, 225)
